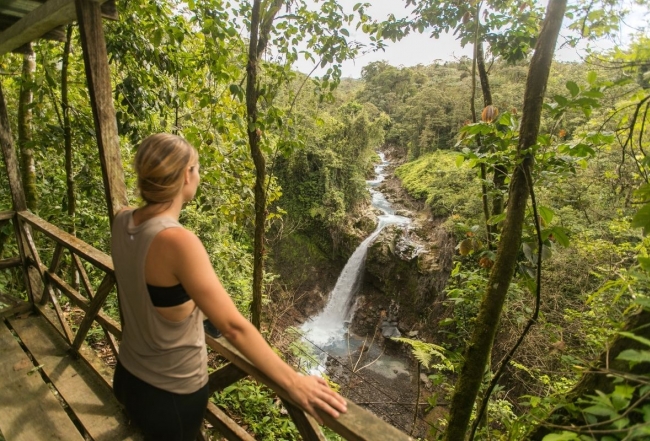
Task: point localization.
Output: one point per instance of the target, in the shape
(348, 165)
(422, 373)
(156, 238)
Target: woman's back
(167, 354)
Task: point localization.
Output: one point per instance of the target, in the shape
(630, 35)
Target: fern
(425, 351)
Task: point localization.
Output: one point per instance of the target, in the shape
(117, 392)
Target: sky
(415, 48)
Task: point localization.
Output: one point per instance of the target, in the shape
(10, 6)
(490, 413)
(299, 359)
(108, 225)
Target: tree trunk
(67, 132)
(482, 74)
(601, 381)
(500, 170)
(478, 50)
(480, 346)
(25, 129)
(67, 143)
(259, 37)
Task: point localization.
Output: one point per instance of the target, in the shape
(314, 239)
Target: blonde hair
(160, 164)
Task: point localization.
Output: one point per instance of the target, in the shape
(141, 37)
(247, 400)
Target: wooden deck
(47, 394)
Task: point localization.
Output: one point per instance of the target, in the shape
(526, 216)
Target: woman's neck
(169, 209)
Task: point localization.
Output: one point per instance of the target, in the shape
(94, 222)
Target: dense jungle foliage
(580, 285)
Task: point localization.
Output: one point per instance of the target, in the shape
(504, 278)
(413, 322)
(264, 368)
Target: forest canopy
(537, 171)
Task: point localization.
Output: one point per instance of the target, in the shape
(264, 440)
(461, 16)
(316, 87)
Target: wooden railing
(46, 282)
(12, 305)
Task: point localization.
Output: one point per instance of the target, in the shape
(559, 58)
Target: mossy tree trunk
(478, 350)
(25, 128)
(259, 37)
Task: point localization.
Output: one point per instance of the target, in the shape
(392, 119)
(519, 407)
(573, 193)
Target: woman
(165, 281)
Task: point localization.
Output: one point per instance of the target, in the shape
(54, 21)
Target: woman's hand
(311, 392)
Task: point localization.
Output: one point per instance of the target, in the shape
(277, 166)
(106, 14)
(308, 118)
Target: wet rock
(389, 329)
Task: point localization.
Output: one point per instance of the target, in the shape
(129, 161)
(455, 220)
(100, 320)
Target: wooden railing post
(95, 306)
(17, 195)
(91, 30)
(11, 161)
(305, 424)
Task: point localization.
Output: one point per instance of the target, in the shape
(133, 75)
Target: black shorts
(161, 415)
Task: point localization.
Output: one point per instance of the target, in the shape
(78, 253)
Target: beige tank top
(169, 355)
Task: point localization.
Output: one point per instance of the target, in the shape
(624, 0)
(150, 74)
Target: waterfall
(328, 328)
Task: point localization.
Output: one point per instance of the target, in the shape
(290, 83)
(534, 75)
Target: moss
(446, 188)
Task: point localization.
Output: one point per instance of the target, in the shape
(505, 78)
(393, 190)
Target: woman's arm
(193, 269)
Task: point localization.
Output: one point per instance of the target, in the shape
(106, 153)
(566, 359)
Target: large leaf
(546, 214)
(642, 219)
(574, 89)
(634, 357)
(638, 338)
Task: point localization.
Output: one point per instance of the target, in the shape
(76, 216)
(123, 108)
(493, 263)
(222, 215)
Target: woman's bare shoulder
(178, 238)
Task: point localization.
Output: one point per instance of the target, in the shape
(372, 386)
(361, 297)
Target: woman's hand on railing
(311, 392)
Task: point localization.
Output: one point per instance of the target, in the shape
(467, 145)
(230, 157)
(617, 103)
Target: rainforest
(459, 247)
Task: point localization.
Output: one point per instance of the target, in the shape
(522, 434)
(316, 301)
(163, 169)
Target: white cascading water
(328, 329)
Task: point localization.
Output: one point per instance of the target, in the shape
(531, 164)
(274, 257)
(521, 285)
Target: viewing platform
(54, 386)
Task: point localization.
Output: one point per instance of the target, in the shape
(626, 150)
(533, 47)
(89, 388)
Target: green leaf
(496, 219)
(642, 219)
(644, 262)
(564, 436)
(592, 76)
(459, 160)
(638, 338)
(546, 214)
(559, 233)
(634, 357)
(574, 89)
(644, 302)
(562, 101)
(600, 410)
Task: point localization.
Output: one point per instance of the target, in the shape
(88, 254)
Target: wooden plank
(33, 281)
(108, 323)
(11, 262)
(109, 10)
(12, 305)
(357, 424)
(19, 308)
(51, 14)
(40, 21)
(84, 275)
(101, 99)
(93, 309)
(224, 377)
(6, 215)
(82, 389)
(28, 409)
(74, 244)
(306, 424)
(9, 155)
(48, 292)
(54, 266)
(112, 341)
(225, 425)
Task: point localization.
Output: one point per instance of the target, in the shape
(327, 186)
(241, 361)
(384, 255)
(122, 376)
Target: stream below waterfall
(329, 329)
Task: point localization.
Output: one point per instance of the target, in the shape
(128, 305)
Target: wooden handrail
(10, 262)
(97, 258)
(6, 215)
(357, 424)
